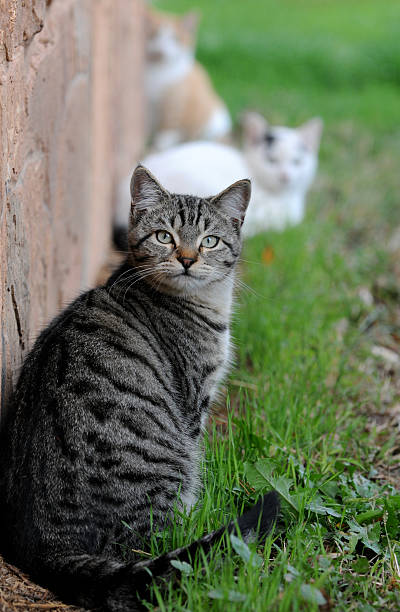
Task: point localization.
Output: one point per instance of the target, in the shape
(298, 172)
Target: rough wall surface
(70, 128)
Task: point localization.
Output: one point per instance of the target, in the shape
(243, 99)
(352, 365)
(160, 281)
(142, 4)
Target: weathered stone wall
(70, 126)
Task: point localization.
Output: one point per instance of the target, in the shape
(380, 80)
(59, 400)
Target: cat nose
(284, 178)
(186, 261)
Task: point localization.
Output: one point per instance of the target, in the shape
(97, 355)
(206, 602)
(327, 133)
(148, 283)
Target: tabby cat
(105, 423)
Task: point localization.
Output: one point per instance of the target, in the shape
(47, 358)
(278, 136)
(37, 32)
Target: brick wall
(70, 127)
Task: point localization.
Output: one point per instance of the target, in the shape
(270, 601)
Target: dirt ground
(18, 593)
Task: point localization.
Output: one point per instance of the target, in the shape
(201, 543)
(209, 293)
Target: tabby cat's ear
(311, 132)
(146, 191)
(234, 200)
(254, 127)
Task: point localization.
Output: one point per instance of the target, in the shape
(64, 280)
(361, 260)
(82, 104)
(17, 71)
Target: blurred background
(318, 323)
(340, 60)
(292, 60)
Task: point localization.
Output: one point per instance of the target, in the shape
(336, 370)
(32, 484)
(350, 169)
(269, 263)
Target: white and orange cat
(183, 104)
(280, 161)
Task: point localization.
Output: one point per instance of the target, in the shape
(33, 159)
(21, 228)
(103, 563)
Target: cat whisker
(249, 261)
(120, 282)
(244, 286)
(132, 270)
(126, 282)
(159, 282)
(140, 277)
(118, 279)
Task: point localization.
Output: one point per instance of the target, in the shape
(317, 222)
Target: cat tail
(112, 586)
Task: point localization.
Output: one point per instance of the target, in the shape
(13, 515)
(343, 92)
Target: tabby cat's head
(183, 244)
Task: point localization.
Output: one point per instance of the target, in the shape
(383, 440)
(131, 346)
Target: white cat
(280, 161)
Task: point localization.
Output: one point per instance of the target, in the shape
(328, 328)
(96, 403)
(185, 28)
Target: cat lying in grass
(280, 161)
(106, 421)
(182, 102)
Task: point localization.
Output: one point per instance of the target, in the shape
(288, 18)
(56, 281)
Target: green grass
(310, 411)
(295, 58)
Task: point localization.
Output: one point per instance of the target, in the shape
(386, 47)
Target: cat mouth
(183, 273)
(188, 276)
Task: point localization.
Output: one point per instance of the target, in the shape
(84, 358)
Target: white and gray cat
(280, 161)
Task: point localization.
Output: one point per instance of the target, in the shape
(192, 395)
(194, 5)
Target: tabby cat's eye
(210, 242)
(164, 237)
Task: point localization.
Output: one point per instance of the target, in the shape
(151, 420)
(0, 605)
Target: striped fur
(106, 419)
